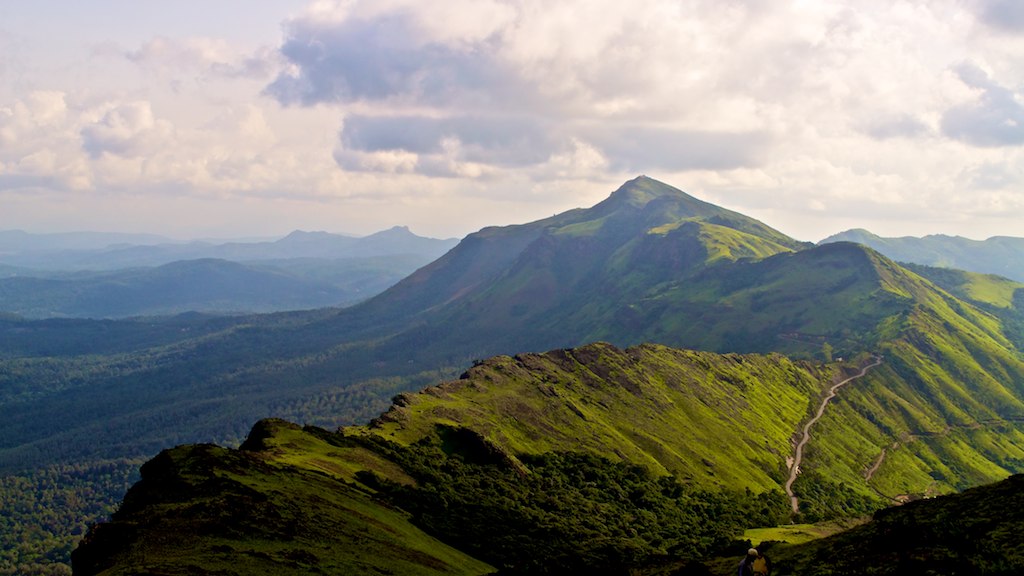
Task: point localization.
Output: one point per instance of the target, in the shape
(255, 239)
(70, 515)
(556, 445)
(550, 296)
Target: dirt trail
(799, 454)
(874, 467)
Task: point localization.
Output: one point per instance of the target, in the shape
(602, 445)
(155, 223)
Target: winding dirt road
(799, 454)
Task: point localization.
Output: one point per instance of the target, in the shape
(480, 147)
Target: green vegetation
(996, 295)
(723, 420)
(225, 511)
(649, 264)
(571, 513)
(594, 458)
(797, 533)
(532, 464)
(43, 514)
(976, 532)
(205, 508)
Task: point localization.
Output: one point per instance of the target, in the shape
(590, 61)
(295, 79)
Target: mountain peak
(394, 232)
(297, 236)
(642, 189)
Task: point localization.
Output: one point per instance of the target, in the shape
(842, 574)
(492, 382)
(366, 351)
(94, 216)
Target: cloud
(127, 130)
(994, 119)
(26, 117)
(899, 126)
(804, 109)
(523, 91)
(500, 140)
(205, 56)
(993, 176)
(1003, 15)
(644, 148)
(380, 58)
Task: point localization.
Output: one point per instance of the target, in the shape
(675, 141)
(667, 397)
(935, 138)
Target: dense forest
(44, 512)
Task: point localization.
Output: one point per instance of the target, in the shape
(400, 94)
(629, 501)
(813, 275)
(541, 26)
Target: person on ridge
(761, 565)
(746, 567)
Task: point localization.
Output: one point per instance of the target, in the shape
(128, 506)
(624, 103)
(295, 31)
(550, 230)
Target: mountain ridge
(595, 397)
(553, 402)
(1003, 255)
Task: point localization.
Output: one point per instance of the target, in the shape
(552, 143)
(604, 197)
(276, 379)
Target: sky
(243, 118)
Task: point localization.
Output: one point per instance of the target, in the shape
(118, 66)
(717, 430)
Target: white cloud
(204, 56)
(127, 130)
(995, 118)
(1003, 15)
(879, 111)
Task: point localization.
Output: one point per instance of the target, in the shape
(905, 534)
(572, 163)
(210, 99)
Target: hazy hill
(649, 264)
(206, 285)
(19, 241)
(44, 277)
(298, 244)
(1002, 255)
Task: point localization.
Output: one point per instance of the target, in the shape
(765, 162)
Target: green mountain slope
(996, 295)
(649, 417)
(659, 407)
(591, 459)
(506, 290)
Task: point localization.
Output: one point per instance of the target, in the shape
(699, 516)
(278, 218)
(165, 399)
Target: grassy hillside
(492, 464)
(996, 295)
(673, 411)
(230, 512)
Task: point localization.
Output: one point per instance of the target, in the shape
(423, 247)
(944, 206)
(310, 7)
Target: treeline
(824, 499)
(44, 513)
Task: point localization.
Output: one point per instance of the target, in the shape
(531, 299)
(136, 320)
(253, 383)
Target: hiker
(746, 567)
(761, 565)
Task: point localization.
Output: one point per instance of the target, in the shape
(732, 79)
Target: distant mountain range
(303, 270)
(19, 241)
(633, 427)
(1000, 255)
(45, 252)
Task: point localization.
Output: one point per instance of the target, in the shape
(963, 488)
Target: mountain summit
(563, 280)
